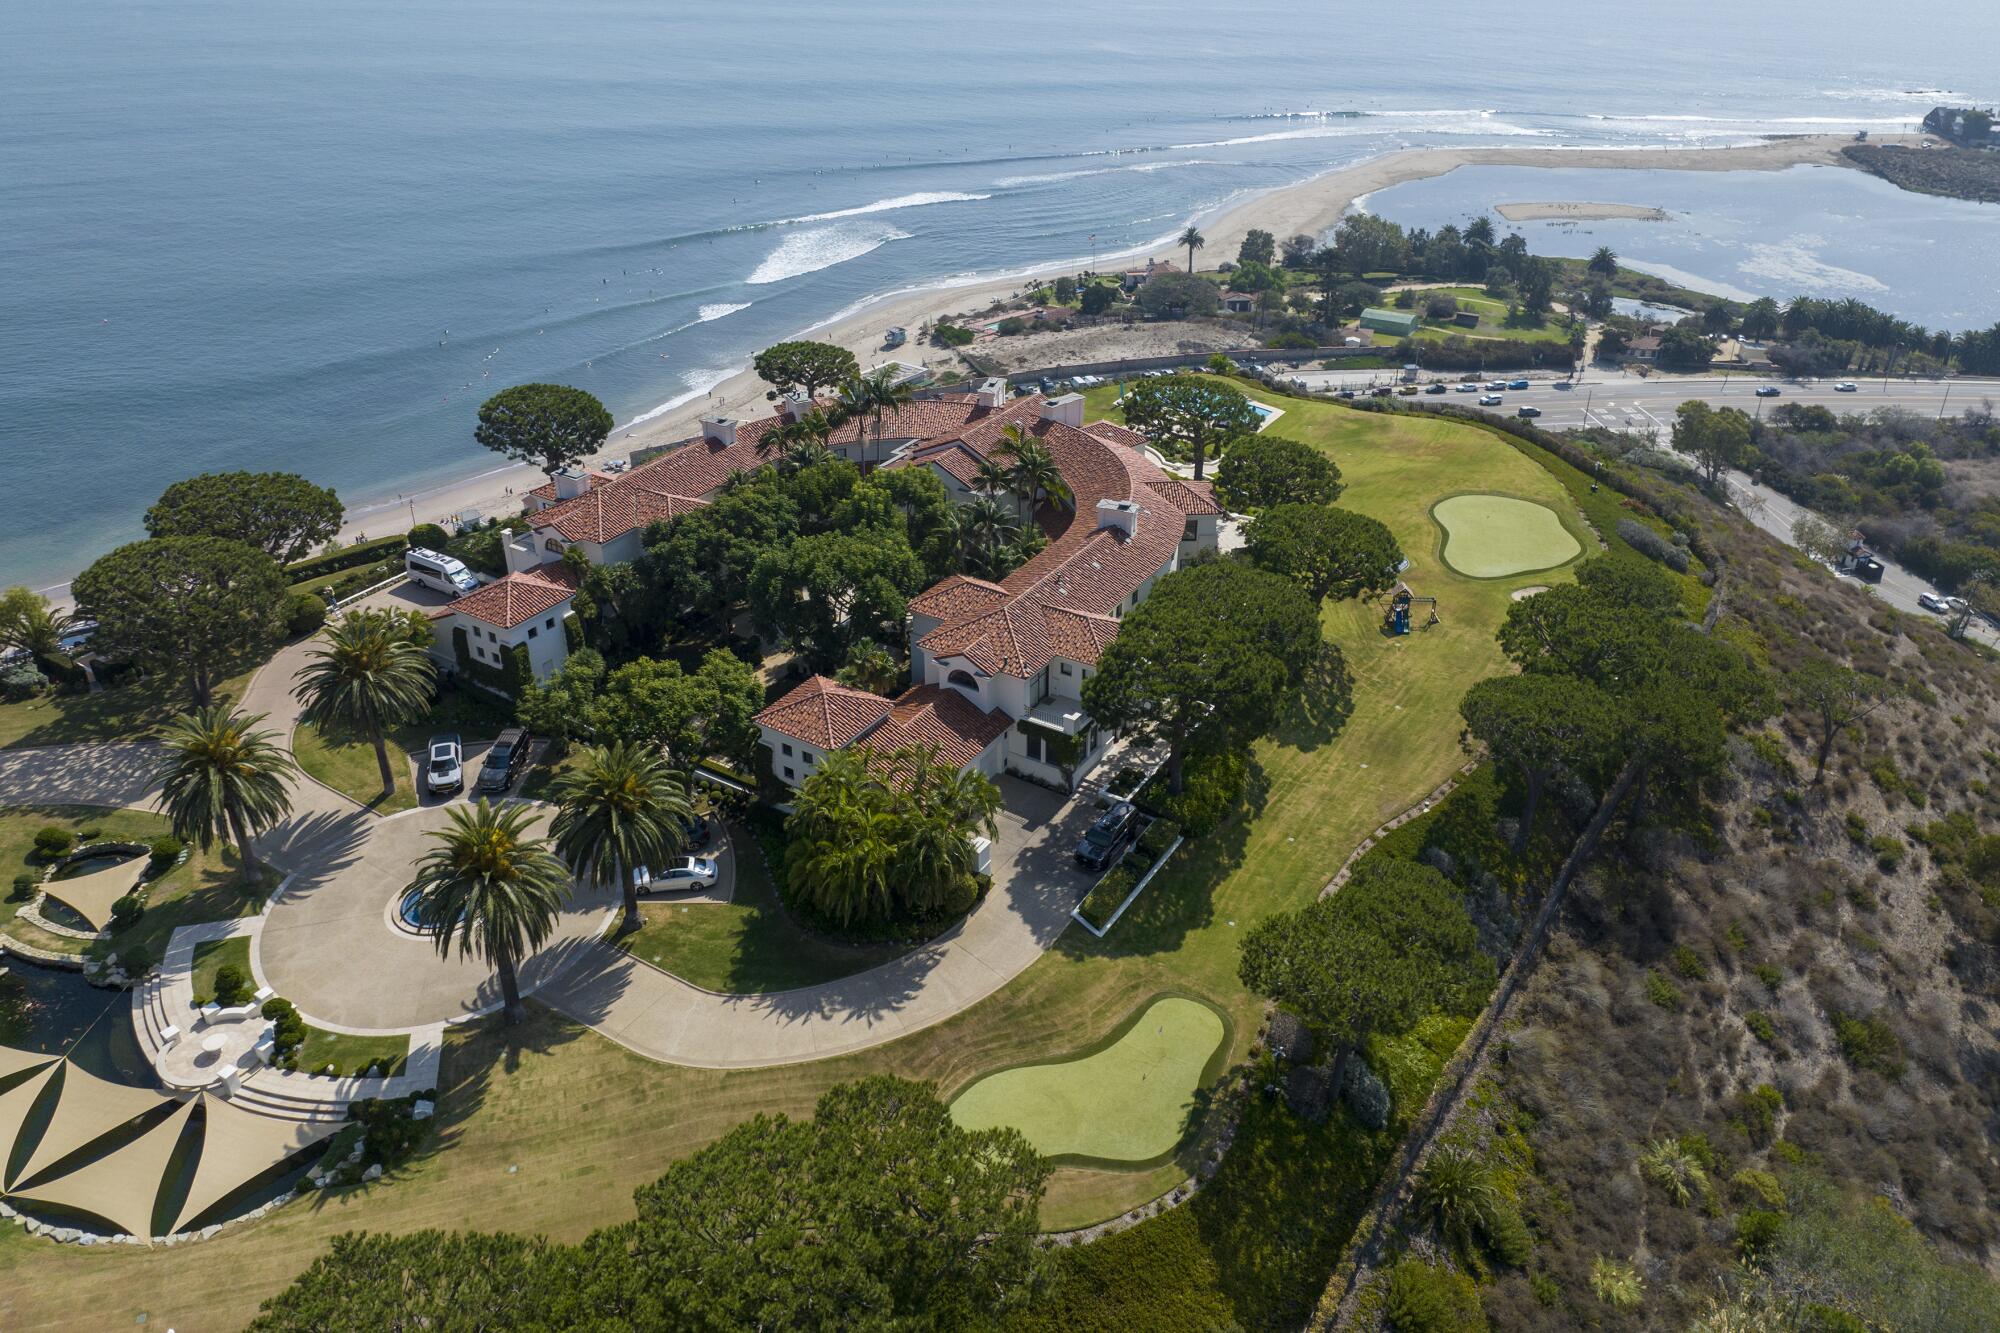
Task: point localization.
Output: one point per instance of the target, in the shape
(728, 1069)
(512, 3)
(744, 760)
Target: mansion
(996, 668)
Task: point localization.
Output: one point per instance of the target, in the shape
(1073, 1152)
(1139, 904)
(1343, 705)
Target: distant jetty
(1579, 213)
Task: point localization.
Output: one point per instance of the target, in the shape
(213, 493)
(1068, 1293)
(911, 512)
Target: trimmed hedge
(347, 557)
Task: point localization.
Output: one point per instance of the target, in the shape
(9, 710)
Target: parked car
(504, 762)
(1106, 840)
(1490, 400)
(696, 829)
(1527, 411)
(438, 572)
(677, 876)
(1768, 391)
(1517, 384)
(445, 773)
(1847, 386)
(1437, 388)
(1930, 601)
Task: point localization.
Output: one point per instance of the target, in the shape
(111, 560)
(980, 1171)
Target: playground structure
(1397, 619)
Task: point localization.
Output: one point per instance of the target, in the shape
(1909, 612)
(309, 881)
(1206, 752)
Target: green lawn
(126, 712)
(210, 957)
(581, 1122)
(1494, 536)
(206, 887)
(1128, 1102)
(345, 760)
(747, 945)
(1492, 319)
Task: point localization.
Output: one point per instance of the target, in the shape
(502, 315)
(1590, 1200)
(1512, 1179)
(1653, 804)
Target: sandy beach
(1527, 212)
(1306, 208)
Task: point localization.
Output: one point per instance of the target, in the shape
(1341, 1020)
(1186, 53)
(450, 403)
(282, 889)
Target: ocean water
(237, 234)
(1807, 231)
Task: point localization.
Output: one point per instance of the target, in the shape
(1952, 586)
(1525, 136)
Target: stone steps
(266, 1094)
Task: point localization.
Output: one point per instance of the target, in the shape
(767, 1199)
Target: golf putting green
(1492, 536)
(1125, 1103)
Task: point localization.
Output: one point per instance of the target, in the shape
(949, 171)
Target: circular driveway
(328, 944)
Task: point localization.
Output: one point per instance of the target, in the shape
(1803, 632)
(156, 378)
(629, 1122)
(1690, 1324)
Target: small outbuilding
(1400, 323)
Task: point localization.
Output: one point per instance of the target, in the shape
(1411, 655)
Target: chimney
(718, 432)
(1120, 514)
(522, 551)
(570, 482)
(795, 406)
(1067, 409)
(993, 392)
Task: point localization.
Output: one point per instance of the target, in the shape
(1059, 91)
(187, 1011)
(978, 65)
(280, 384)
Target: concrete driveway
(1035, 885)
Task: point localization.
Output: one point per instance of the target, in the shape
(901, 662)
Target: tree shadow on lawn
(1322, 706)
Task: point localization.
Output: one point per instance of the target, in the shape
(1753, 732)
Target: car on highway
(1490, 400)
(1564, 385)
(1768, 391)
(445, 773)
(1106, 840)
(1930, 601)
(1847, 386)
(1468, 388)
(1517, 384)
(1437, 388)
(676, 876)
(505, 760)
(1345, 393)
(1527, 411)
(1495, 385)
(1380, 391)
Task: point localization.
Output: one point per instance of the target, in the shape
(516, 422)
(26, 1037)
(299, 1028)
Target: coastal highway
(1644, 404)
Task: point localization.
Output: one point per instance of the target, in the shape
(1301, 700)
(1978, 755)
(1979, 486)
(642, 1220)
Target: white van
(438, 572)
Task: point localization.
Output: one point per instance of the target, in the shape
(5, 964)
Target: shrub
(389, 1128)
(952, 335)
(125, 913)
(1770, 975)
(1869, 1043)
(23, 680)
(1423, 1299)
(1663, 992)
(290, 1030)
(165, 850)
(429, 536)
(1211, 788)
(1616, 1283)
(1687, 964)
(1366, 1095)
(1759, 1187)
(1756, 1232)
(1888, 851)
(1675, 1168)
(1759, 1108)
(1652, 545)
(24, 888)
(1546, 1290)
(1761, 1027)
(1159, 836)
(231, 986)
(1106, 894)
(305, 612)
(53, 840)
(136, 959)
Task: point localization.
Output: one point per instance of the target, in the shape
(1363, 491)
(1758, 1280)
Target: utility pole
(1947, 400)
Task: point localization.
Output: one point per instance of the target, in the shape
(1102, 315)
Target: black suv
(504, 762)
(1105, 840)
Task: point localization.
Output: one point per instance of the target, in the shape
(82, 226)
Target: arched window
(964, 680)
(553, 545)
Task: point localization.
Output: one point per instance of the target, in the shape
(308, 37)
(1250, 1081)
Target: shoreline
(1309, 207)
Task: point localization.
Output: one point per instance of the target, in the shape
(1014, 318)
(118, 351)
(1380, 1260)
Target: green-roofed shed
(1402, 323)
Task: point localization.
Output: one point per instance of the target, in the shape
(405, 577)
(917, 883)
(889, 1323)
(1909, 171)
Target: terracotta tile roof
(934, 420)
(611, 511)
(518, 598)
(1113, 433)
(824, 713)
(664, 487)
(1061, 600)
(930, 715)
(547, 490)
(958, 596)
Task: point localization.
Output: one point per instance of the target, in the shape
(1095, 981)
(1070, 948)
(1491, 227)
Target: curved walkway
(327, 941)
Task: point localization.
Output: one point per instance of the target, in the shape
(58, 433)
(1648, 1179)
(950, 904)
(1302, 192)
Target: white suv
(445, 773)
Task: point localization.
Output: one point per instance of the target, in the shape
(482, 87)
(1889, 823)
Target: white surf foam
(1010, 182)
(720, 310)
(810, 251)
(887, 206)
(699, 382)
(1793, 264)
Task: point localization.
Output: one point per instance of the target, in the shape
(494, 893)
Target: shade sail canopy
(237, 1147)
(90, 896)
(88, 1109)
(13, 1061)
(15, 1104)
(123, 1185)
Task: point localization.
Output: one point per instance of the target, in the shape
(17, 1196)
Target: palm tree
(221, 779)
(856, 398)
(870, 667)
(944, 807)
(1036, 475)
(842, 831)
(29, 623)
(492, 890)
(802, 454)
(369, 677)
(1605, 262)
(990, 476)
(884, 394)
(1194, 241)
(619, 807)
(989, 525)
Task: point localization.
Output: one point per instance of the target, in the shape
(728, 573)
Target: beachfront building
(512, 630)
(1643, 350)
(997, 669)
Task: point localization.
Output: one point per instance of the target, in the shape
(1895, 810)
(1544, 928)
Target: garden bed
(1119, 886)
